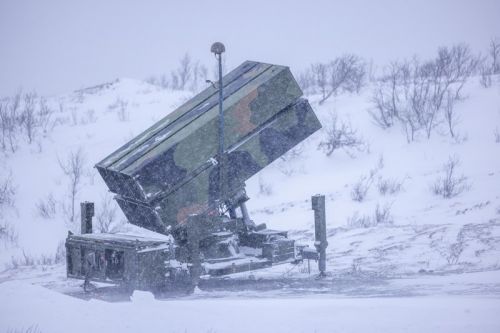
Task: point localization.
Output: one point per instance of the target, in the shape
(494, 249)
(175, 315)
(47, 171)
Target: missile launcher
(174, 179)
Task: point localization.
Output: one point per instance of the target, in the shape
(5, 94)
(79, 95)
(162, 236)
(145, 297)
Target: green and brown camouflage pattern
(165, 174)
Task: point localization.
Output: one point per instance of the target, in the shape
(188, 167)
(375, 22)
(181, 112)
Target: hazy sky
(59, 46)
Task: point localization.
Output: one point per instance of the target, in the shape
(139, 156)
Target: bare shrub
(122, 112)
(106, 215)
(450, 185)
(380, 162)
(29, 329)
(46, 208)
(389, 186)
(28, 259)
(189, 75)
(456, 249)
(4, 124)
(25, 260)
(7, 192)
(360, 188)
(359, 221)
(90, 117)
(340, 136)
(120, 107)
(8, 233)
(383, 215)
(74, 117)
(7, 199)
(72, 168)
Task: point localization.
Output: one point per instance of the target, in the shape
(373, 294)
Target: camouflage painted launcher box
(166, 173)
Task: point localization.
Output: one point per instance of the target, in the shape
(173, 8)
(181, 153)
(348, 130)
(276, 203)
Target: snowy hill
(416, 223)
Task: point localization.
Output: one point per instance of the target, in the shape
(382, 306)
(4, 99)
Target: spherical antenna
(217, 48)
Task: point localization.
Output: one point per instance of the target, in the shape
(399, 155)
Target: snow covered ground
(437, 264)
(466, 302)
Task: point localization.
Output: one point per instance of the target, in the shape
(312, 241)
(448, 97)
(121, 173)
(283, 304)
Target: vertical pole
(221, 133)
(318, 205)
(86, 214)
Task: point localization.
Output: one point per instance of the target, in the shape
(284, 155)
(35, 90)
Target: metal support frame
(193, 243)
(318, 205)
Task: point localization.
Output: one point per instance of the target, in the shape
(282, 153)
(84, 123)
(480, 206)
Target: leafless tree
(73, 168)
(345, 73)
(420, 94)
(448, 74)
(387, 94)
(189, 75)
(4, 123)
(320, 74)
(44, 115)
(200, 75)
(28, 116)
(412, 101)
(450, 115)
(496, 134)
(120, 107)
(494, 53)
(485, 78)
(174, 81)
(340, 136)
(9, 121)
(184, 72)
(122, 112)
